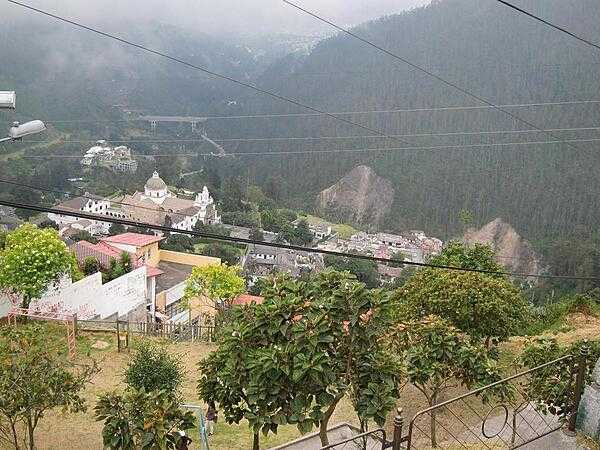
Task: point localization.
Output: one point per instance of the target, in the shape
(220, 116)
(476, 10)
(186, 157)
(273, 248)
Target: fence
(507, 414)
(174, 331)
(370, 440)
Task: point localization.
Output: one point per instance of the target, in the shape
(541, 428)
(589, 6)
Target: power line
(318, 138)
(550, 24)
(353, 150)
(199, 68)
(427, 72)
(218, 237)
(343, 113)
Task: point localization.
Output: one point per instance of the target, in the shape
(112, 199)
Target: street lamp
(18, 130)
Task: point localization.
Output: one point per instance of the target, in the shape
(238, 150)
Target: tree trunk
(15, 436)
(256, 442)
(432, 416)
(325, 422)
(30, 430)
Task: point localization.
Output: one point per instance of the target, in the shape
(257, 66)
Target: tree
(142, 420)
(487, 308)
(220, 283)
(437, 356)
(178, 243)
(293, 358)
(35, 377)
(466, 218)
(83, 235)
(91, 265)
(297, 235)
(227, 253)
(240, 219)
(116, 228)
(256, 234)
(551, 389)
(477, 256)
(153, 368)
(33, 260)
(48, 224)
(364, 270)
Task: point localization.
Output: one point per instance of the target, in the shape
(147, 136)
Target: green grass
(551, 317)
(343, 230)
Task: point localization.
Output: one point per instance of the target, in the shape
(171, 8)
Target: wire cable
(218, 237)
(199, 68)
(550, 24)
(422, 69)
(352, 150)
(343, 113)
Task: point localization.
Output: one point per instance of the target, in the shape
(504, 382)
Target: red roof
(247, 299)
(135, 239)
(104, 252)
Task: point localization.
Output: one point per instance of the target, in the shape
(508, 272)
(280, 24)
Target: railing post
(398, 423)
(579, 384)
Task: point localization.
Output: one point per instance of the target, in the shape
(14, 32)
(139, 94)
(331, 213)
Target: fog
(214, 17)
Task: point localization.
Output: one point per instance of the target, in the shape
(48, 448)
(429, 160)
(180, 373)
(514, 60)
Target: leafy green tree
(297, 235)
(35, 377)
(466, 218)
(256, 234)
(91, 265)
(48, 224)
(551, 389)
(116, 228)
(140, 420)
(240, 218)
(364, 270)
(125, 262)
(33, 260)
(83, 235)
(178, 243)
(292, 359)
(227, 253)
(153, 368)
(436, 356)
(477, 256)
(212, 229)
(220, 283)
(487, 308)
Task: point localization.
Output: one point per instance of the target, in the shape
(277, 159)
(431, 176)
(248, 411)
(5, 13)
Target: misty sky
(217, 16)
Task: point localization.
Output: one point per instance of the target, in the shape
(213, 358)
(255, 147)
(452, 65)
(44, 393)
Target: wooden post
(75, 324)
(118, 338)
(579, 385)
(127, 337)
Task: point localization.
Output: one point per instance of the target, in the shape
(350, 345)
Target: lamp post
(18, 131)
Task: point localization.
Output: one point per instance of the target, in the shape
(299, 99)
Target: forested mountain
(481, 46)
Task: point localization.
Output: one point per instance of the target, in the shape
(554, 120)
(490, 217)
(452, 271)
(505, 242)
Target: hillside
(541, 189)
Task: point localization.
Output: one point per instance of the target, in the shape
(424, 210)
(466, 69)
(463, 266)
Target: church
(155, 205)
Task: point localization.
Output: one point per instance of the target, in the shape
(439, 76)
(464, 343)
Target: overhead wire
(199, 68)
(320, 151)
(550, 24)
(422, 69)
(217, 237)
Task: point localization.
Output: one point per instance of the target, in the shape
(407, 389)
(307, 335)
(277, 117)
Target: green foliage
(485, 307)
(552, 316)
(229, 254)
(35, 377)
(83, 235)
(293, 358)
(91, 265)
(140, 420)
(275, 220)
(241, 219)
(221, 283)
(256, 234)
(119, 268)
(297, 235)
(179, 243)
(33, 260)
(48, 224)
(3, 235)
(116, 228)
(436, 355)
(153, 368)
(551, 389)
(465, 217)
(212, 229)
(478, 256)
(365, 271)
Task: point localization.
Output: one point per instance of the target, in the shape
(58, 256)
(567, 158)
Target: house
(166, 272)
(262, 260)
(91, 204)
(321, 231)
(118, 159)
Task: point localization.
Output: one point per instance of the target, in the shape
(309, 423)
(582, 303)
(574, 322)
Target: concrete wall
(187, 258)
(90, 298)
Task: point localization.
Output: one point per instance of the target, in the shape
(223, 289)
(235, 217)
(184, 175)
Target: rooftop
(173, 274)
(135, 239)
(247, 299)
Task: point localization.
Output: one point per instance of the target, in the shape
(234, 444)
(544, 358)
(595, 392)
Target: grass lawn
(343, 230)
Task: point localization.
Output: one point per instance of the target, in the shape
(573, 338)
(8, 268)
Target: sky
(217, 16)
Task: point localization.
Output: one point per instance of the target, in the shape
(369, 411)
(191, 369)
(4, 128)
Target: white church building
(155, 205)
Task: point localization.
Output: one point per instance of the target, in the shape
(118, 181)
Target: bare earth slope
(360, 197)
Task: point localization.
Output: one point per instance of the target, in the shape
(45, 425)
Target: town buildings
(261, 261)
(117, 158)
(156, 204)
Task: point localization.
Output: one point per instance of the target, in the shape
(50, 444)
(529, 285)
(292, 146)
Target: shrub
(152, 368)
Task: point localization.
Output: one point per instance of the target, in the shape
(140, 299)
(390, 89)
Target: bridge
(194, 121)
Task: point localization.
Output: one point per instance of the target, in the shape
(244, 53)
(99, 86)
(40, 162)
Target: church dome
(155, 183)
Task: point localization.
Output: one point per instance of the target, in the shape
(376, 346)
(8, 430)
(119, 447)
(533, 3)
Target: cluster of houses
(118, 159)
(156, 204)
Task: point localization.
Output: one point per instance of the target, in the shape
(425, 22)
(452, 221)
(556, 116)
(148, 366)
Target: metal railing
(176, 331)
(369, 440)
(475, 420)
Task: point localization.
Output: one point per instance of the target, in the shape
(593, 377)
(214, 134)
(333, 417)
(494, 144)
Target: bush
(152, 368)
(552, 316)
(91, 265)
